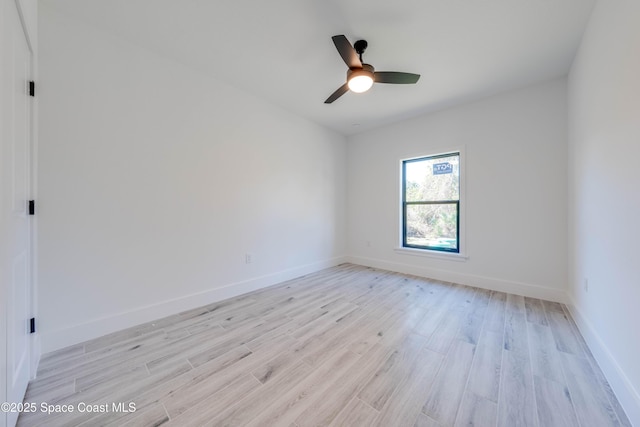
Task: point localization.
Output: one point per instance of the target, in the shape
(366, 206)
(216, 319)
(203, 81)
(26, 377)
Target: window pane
(433, 179)
(433, 226)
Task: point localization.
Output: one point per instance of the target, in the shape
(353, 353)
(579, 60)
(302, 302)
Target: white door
(14, 219)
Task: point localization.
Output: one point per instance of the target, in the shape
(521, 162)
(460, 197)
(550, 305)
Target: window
(431, 203)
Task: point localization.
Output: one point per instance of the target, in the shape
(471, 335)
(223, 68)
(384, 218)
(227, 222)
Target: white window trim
(428, 253)
(451, 256)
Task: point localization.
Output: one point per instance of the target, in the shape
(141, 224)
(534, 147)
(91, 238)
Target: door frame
(27, 10)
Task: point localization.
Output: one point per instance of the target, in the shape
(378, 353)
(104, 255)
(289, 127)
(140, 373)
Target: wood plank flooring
(346, 346)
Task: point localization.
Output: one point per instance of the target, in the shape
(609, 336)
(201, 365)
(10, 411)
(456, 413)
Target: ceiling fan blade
(347, 52)
(395, 77)
(337, 94)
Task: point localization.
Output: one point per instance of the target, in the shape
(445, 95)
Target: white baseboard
(95, 328)
(626, 393)
(494, 284)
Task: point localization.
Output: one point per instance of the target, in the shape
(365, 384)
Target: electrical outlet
(248, 258)
(586, 284)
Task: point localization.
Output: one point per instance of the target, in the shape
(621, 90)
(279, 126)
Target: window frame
(431, 251)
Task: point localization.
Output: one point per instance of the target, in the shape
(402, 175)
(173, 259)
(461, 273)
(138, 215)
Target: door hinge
(32, 207)
(32, 325)
(32, 88)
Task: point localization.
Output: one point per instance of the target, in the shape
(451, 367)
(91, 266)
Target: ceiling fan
(361, 76)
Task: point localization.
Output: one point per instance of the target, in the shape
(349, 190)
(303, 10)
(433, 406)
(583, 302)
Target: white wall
(604, 207)
(516, 156)
(155, 181)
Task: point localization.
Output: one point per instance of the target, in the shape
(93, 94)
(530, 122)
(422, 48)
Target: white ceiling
(281, 50)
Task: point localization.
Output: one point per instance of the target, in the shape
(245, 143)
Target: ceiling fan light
(360, 83)
(360, 79)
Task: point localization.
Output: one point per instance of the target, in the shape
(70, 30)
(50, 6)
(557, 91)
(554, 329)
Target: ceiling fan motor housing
(360, 79)
(366, 70)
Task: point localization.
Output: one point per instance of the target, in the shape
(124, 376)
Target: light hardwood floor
(347, 346)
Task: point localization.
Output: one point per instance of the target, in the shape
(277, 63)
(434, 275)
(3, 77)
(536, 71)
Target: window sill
(450, 256)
